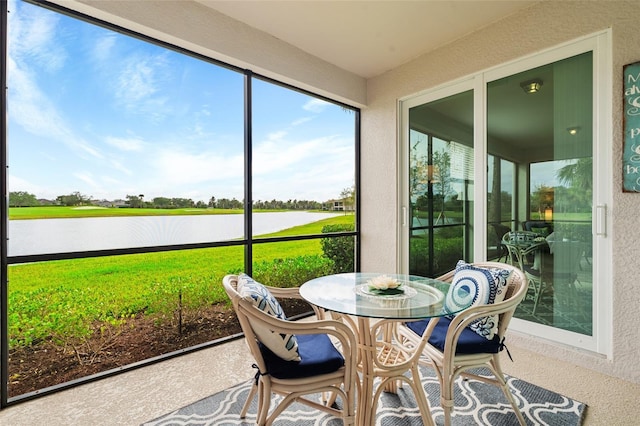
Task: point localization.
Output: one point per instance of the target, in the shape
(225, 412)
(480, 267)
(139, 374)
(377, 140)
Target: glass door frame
(600, 44)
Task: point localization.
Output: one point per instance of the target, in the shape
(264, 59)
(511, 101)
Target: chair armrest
(294, 293)
(285, 292)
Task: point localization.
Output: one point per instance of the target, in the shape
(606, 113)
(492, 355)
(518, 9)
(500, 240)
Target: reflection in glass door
(539, 125)
(440, 184)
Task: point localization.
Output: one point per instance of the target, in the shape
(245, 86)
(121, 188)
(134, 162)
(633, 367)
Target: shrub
(341, 250)
(447, 251)
(291, 271)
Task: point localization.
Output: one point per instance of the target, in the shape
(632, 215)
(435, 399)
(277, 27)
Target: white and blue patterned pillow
(283, 345)
(474, 286)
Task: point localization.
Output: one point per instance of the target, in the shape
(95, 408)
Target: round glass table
(355, 294)
(367, 296)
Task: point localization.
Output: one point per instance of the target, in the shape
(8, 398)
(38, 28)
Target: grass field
(66, 298)
(50, 212)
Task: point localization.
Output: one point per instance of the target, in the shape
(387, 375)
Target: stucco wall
(542, 26)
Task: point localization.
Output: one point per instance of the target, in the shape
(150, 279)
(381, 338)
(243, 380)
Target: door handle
(601, 220)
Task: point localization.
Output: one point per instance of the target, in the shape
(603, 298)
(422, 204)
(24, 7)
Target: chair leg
(418, 391)
(447, 408)
(446, 397)
(499, 375)
(264, 396)
(421, 398)
(538, 289)
(247, 403)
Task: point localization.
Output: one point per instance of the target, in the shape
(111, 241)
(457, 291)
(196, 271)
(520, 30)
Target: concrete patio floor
(146, 393)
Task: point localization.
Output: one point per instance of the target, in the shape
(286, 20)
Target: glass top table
(355, 295)
(352, 294)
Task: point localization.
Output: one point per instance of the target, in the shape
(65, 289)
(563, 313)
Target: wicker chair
(532, 257)
(453, 348)
(315, 373)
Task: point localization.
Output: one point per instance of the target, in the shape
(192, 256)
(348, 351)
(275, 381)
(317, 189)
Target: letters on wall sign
(631, 117)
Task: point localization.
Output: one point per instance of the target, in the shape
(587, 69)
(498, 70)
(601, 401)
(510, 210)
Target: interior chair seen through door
(320, 367)
(530, 252)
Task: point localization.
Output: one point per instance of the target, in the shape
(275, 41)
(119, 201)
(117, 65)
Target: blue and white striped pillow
(283, 345)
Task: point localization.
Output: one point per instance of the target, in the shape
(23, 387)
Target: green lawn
(66, 298)
(49, 212)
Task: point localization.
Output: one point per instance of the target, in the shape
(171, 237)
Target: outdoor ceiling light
(531, 86)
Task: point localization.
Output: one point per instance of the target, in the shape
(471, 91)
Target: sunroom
(465, 140)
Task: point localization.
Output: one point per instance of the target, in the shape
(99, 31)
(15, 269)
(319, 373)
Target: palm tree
(578, 175)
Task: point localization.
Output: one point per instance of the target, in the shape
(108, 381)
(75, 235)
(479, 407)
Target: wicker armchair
(322, 368)
(453, 348)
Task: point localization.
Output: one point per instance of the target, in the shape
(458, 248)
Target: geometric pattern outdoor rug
(476, 403)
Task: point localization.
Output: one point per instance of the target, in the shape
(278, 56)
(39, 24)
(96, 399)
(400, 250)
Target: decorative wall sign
(631, 123)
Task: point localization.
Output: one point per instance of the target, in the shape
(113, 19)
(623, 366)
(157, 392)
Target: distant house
(339, 205)
(114, 203)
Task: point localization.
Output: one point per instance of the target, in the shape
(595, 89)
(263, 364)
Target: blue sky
(107, 115)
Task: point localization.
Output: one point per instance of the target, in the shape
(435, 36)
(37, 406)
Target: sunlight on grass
(64, 297)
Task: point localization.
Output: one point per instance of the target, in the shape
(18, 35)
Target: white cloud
(139, 83)
(316, 105)
(197, 157)
(301, 121)
(177, 168)
(16, 183)
(295, 169)
(136, 81)
(87, 178)
(103, 48)
(33, 110)
(117, 165)
(277, 136)
(32, 41)
(125, 144)
(31, 36)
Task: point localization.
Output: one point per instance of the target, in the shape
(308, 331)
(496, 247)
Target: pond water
(41, 236)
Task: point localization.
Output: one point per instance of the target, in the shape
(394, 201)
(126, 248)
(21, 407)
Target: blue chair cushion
(317, 356)
(469, 342)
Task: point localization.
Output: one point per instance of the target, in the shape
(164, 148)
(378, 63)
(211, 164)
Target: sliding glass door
(539, 128)
(440, 184)
(512, 150)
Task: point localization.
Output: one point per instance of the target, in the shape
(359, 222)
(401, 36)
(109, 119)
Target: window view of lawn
(142, 183)
(72, 318)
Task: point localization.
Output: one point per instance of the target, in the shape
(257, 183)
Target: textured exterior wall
(542, 26)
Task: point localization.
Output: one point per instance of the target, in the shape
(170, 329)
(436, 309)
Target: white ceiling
(367, 38)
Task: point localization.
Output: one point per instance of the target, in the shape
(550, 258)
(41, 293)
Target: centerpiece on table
(385, 285)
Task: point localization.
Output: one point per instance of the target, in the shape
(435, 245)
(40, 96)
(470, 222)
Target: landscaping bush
(341, 250)
(448, 249)
(292, 271)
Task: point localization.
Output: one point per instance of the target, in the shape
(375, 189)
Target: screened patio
(597, 364)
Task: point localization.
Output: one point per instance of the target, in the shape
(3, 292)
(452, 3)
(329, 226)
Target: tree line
(26, 199)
